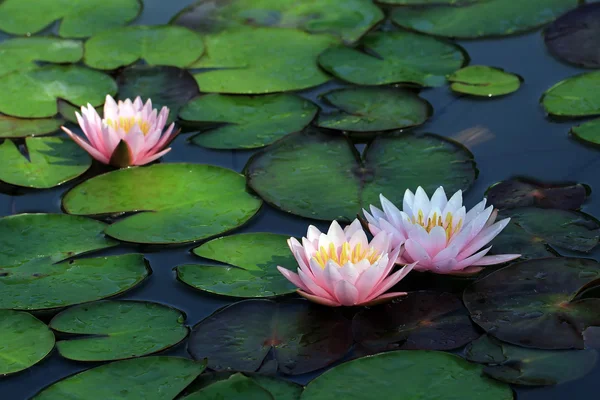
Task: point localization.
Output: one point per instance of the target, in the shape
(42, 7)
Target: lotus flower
(129, 134)
(439, 233)
(341, 268)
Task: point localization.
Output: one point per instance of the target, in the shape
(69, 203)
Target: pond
(508, 136)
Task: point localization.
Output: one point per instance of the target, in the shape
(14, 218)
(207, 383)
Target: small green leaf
(480, 80)
(589, 132)
(20, 54)
(236, 387)
(578, 96)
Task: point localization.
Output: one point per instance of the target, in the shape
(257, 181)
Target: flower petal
(346, 293)
(90, 149)
(319, 300)
(499, 259)
(292, 277)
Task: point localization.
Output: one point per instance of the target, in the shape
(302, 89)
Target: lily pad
(588, 132)
(20, 54)
(279, 389)
(389, 165)
(113, 330)
(50, 162)
(302, 337)
(480, 80)
(148, 378)
(428, 2)
(156, 45)
(533, 367)
(349, 19)
(516, 193)
(176, 203)
(573, 37)
(578, 96)
(424, 375)
(368, 109)
(24, 341)
(14, 128)
(236, 387)
(392, 57)
(481, 19)
(236, 61)
(253, 257)
(247, 122)
(418, 321)
(79, 19)
(68, 110)
(33, 94)
(522, 303)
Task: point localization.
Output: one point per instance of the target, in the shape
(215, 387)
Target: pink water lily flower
(439, 233)
(131, 133)
(341, 268)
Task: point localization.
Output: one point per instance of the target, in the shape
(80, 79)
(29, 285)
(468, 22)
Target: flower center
(346, 254)
(436, 220)
(127, 123)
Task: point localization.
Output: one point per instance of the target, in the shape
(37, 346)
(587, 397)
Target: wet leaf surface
(481, 80)
(578, 96)
(588, 132)
(14, 128)
(429, 2)
(21, 54)
(236, 387)
(517, 193)
(279, 389)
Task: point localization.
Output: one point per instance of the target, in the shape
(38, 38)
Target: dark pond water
(521, 141)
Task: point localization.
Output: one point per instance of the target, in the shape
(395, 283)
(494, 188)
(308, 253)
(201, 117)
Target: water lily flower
(341, 268)
(439, 233)
(131, 133)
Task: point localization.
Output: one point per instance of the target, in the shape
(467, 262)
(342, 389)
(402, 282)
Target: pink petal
(111, 109)
(499, 259)
(387, 283)
(92, 131)
(383, 298)
(439, 199)
(417, 253)
(381, 242)
(319, 300)
(471, 260)
(336, 234)
(332, 275)
(91, 150)
(319, 275)
(436, 241)
(391, 211)
(353, 228)
(313, 287)
(483, 238)
(346, 293)
(313, 233)
(292, 277)
(149, 159)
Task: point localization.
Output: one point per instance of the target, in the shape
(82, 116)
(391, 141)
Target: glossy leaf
(279, 389)
(14, 128)
(24, 341)
(148, 378)
(237, 61)
(428, 2)
(20, 54)
(292, 173)
(156, 45)
(50, 161)
(370, 109)
(517, 193)
(588, 132)
(253, 257)
(232, 122)
(113, 330)
(33, 94)
(236, 387)
(302, 337)
(522, 303)
(481, 19)
(393, 57)
(480, 80)
(67, 111)
(578, 96)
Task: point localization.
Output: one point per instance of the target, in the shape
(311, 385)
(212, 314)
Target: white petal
(455, 202)
(475, 211)
(439, 199)
(421, 202)
(391, 211)
(407, 203)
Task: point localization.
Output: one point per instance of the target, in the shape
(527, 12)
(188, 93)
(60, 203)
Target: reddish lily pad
(303, 337)
(535, 303)
(515, 193)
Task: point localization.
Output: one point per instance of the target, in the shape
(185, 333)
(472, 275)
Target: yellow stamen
(127, 123)
(437, 220)
(345, 254)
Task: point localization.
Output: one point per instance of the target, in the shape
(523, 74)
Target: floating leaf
(589, 132)
(113, 330)
(578, 96)
(368, 109)
(392, 57)
(156, 45)
(278, 388)
(177, 202)
(236, 387)
(481, 19)
(33, 94)
(292, 173)
(522, 366)
(428, 2)
(238, 59)
(423, 375)
(302, 337)
(20, 54)
(525, 301)
(480, 80)
(418, 321)
(24, 341)
(254, 258)
(148, 378)
(78, 18)
(50, 161)
(246, 121)
(68, 110)
(14, 128)
(517, 240)
(573, 37)
(516, 193)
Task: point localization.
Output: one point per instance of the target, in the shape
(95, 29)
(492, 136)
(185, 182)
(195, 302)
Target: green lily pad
(24, 341)
(15, 128)
(533, 367)
(516, 193)
(113, 330)
(389, 165)
(51, 161)
(516, 240)
(279, 389)
(522, 303)
(578, 96)
(300, 336)
(33, 94)
(588, 132)
(177, 203)
(237, 61)
(481, 19)
(236, 387)
(20, 54)
(253, 257)
(68, 110)
(246, 122)
(393, 57)
(349, 19)
(148, 378)
(480, 80)
(424, 375)
(428, 2)
(78, 18)
(156, 45)
(368, 109)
